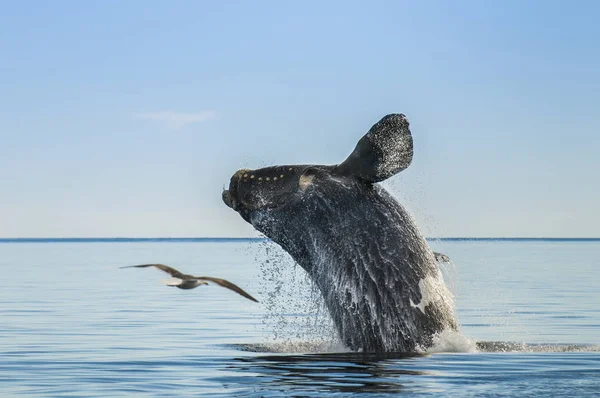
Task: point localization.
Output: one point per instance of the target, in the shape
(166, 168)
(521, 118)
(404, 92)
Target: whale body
(377, 274)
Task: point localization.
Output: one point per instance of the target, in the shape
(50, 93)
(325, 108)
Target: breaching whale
(377, 274)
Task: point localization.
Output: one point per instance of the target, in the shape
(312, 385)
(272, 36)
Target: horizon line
(251, 238)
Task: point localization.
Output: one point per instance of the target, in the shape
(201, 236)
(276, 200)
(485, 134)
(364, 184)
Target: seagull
(184, 281)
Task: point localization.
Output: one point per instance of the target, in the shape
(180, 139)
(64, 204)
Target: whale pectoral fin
(441, 258)
(385, 150)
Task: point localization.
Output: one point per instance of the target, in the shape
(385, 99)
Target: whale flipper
(385, 150)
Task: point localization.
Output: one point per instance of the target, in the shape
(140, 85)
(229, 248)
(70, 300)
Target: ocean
(73, 324)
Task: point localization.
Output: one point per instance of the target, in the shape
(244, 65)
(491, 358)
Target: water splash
(292, 346)
(296, 319)
(522, 347)
(451, 341)
(444, 343)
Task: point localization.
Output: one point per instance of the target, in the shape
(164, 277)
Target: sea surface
(73, 324)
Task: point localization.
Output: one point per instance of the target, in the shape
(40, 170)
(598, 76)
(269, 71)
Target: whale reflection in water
(319, 374)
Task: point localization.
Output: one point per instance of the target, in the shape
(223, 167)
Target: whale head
(270, 196)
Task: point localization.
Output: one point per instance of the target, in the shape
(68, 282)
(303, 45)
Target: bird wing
(228, 285)
(172, 271)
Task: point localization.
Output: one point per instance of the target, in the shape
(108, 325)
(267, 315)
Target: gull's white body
(185, 284)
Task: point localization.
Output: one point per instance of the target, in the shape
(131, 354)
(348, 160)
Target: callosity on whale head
(376, 272)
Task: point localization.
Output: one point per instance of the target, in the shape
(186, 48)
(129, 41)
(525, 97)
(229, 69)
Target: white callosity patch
(432, 289)
(305, 182)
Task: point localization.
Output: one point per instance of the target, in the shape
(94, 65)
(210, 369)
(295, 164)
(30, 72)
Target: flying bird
(184, 281)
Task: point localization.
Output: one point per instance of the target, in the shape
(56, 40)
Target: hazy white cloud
(177, 120)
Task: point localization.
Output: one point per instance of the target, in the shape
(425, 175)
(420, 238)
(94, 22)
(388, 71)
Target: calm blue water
(73, 324)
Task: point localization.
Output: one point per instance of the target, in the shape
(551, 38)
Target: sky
(127, 118)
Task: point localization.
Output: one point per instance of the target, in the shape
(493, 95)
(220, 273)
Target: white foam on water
(298, 347)
(522, 347)
(452, 341)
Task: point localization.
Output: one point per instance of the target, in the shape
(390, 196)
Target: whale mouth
(234, 196)
(230, 196)
(229, 199)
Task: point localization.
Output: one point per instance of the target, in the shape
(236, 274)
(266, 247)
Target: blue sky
(128, 118)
